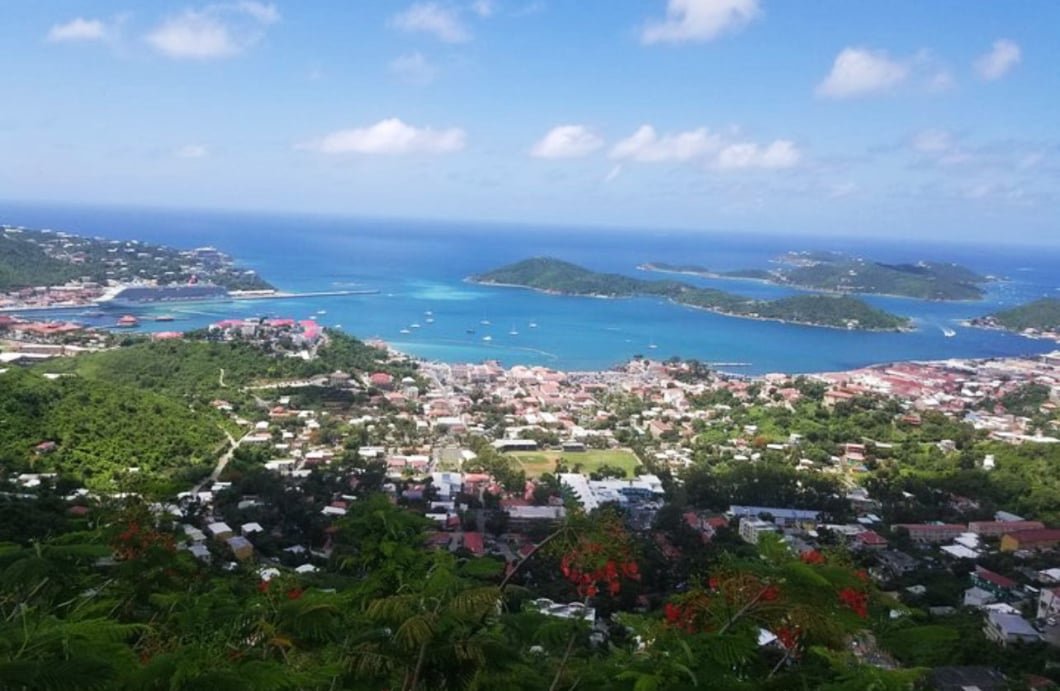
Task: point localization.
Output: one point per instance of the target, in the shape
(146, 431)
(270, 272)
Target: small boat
(429, 320)
(948, 333)
(428, 313)
(90, 313)
(513, 332)
(164, 318)
(128, 322)
(533, 325)
(469, 331)
(322, 311)
(485, 322)
(414, 326)
(487, 338)
(405, 331)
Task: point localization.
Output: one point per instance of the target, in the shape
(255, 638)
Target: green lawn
(537, 462)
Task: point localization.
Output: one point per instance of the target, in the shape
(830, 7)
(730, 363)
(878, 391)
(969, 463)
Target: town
(496, 458)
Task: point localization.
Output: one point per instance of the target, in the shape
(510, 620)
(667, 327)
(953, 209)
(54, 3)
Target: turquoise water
(420, 267)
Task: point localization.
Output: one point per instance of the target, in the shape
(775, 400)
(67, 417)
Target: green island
(564, 278)
(838, 273)
(45, 258)
(1040, 315)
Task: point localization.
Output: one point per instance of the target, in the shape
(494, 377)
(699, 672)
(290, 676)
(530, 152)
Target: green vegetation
(590, 461)
(555, 276)
(37, 258)
(1040, 315)
(109, 602)
(835, 272)
(191, 369)
(100, 429)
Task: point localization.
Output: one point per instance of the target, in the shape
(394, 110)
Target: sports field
(537, 462)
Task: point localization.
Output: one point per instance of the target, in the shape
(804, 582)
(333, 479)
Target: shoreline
(648, 268)
(672, 301)
(234, 296)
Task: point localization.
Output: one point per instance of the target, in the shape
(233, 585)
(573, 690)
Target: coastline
(672, 301)
(648, 268)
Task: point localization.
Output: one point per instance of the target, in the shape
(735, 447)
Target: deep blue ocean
(420, 267)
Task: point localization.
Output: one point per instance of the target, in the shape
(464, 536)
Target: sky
(928, 120)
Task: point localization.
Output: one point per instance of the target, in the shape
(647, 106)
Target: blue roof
(794, 514)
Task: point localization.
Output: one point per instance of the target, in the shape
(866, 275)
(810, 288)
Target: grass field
(537, 462)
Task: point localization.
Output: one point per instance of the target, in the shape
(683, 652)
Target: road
(233, 444)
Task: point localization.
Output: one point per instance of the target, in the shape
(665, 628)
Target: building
(1046, 538)
(783, 518)
(1009, 628)
(994, 583)
(241, 547)
(1049, 603)
(751, 529)
(998, 528)
(523, 517)
(503, 445)
(932, 532)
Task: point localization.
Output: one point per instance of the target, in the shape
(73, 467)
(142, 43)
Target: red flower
(713, 583)
(855, 600)
(789, 637)
(770, 593)
(263, 586)
(672, 612)
(294, 593)
(812, 557)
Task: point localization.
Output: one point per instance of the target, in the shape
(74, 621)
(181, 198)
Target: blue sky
(923, 119)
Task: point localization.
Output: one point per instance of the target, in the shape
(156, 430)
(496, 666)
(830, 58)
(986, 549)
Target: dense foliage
(100, 429)
(553, 275)
(1043, 315)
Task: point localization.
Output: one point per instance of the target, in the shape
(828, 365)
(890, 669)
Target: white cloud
(700, 20)
(774, 156)
(1003, 56)
(413, 68)
(214, 31)
(390, 137)
(613, 173)
(862, 72)
(645, 145)
(714, 150)
(78, 29)
(431, 18)
(484, 8)
(192, 151)
(932, 141)
(567, 141)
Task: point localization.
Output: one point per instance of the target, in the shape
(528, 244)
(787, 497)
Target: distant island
(563, 278)
(30, 258)
(1041, 317)
(838, 273)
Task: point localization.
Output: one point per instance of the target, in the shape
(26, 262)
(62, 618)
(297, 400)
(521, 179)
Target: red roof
(1031, 537)
(995, 578)
(473, 542)
(871, 537)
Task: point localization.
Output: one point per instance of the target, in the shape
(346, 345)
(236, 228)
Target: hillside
(556, 276)
(100, 429)
(1040, 315)
(838, 273)
(40, 258)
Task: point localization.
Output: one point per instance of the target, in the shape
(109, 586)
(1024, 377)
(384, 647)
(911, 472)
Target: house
(751, 529)
(473, 542)
(994, 583)
(503, 445)
(219, 531)
(967, 679)
(1046, 538)
(932, 532)
(1009, 628)
(241, 547)
(1049, 603)
(870, 539)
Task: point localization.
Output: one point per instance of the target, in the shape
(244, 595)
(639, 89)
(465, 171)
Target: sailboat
(487, 338)
(513, 332)
(533, 325)
(948, 333)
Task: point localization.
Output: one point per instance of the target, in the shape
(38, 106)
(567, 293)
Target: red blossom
(263, 586)
(770, 593)
(812, 557)
(294, 593)
(672, 612)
